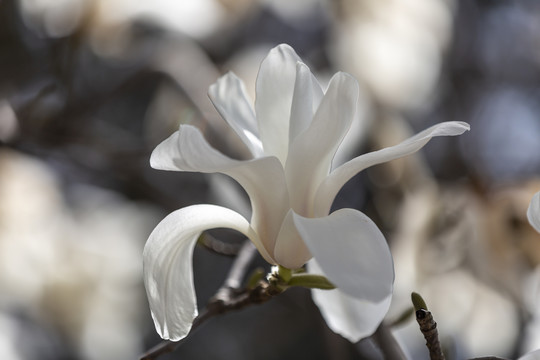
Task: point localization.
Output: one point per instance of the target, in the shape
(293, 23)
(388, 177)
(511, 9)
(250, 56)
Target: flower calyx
(282, 278)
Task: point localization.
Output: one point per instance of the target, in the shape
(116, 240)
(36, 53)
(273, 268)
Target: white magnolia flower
(533, 212)
(293, 134)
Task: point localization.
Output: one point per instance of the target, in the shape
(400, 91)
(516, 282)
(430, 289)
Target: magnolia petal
(352, 318)
(230, 98)
(335, 181)
(302, 102)
(534, 355)
(290, 250)
(167, 259)
(274, 88)
(351, 251)
(263, 179)
(317, 93)
(187, 150)
(533, 212)
(311, 154)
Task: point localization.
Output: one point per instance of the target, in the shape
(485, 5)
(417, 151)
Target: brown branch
(228, 298)
(162, 348)
(428, 326)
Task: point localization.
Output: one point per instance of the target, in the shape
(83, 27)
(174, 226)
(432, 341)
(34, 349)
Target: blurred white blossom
(459, 250)
(75, 266)
(394, 47)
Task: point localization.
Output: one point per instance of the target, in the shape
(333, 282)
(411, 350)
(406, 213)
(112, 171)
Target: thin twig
(229, 297)
(428, 326)
(238, 270)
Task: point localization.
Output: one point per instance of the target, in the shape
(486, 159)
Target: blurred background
(89, 87)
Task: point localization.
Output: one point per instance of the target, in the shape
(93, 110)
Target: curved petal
(311, 154)
(534, 355)
(274, 88)
(290, 250)
(352, 318)
(263, 179)
(187, 150)
(230, 98)
(351, 251)
(533, 212)
(335, 181)
(167, 259)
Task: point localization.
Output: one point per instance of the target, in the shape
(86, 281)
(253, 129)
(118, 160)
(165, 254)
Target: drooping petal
(335, 181)
(351, 251)
(263, 179)
(311, 154)
(533, 212)
(274, 88)
(290, 250)
(352, 318)
(534, 355)
(167, 259)
(230, 98)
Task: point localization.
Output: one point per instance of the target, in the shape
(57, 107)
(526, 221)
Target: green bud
(418, 302)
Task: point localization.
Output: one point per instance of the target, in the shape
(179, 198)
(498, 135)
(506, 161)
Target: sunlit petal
(167, 258)
(311, 154)
(230, 98)
(533, 212)
(290, 250)
(187, 150)
(302, 102)
(274, 88)
(317, 93)
(263, 179)
(335, 181)
(352, 318)
(351, 251)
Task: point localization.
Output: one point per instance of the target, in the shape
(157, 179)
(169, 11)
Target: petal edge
(335, 181)
(167, 264)
(352, 318)
(351, 251)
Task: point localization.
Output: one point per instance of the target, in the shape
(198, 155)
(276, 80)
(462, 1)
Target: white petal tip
(228, 77)
(451, 128)
(465, 126)
(162, 156)
(283, 47)
(177, 334)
